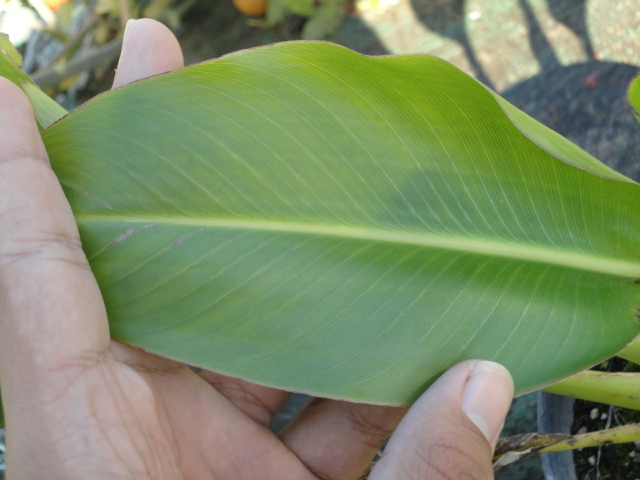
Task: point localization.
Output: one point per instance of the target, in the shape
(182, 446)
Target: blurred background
(567, 63)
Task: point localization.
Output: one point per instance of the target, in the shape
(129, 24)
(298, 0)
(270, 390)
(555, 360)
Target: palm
(166, 422)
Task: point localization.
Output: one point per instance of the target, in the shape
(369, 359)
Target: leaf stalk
(517, 447)
(621, 389)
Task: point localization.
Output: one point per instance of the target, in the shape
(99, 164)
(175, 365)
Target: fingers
(451, 431)
(257, 402)
(148, 48)
(337, 440)
(49, 300)
(48, 296)
(51, 313)
(52, 318)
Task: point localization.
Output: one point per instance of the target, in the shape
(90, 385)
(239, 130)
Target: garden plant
(308, 218)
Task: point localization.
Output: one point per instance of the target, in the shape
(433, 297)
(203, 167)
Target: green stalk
(622, 434)
(632, 351)
(621, 389)
(512, 449)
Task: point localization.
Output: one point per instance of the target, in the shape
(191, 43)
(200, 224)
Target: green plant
(309, 218)
(323, 16)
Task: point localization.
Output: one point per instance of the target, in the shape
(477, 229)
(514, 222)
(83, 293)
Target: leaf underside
(45, 109)
(311, 219)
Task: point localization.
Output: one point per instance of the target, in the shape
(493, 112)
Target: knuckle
(68, 372)
(242, 395)
(80, 363)
(259, 410)
(370, 430)
(44, 246)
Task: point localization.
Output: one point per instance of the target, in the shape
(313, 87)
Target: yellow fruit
(251, 8)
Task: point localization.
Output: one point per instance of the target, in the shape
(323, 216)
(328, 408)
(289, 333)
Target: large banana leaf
(316, 220)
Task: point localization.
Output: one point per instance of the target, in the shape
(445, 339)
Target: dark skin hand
(81, 406)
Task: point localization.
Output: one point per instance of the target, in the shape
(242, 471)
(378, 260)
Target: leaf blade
(210, 243)
(45, 108)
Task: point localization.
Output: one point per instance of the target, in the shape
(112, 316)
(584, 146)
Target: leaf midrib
(558, 257)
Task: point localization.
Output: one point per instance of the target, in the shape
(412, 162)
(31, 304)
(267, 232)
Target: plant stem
(75, 39)
(621, 389)
(512, 449)
(51, 76)
(125, 13)
(632, 351)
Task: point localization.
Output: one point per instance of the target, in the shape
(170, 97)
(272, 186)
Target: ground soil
(611, 462)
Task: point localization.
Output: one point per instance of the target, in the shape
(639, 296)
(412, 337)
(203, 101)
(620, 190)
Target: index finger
(51, 311)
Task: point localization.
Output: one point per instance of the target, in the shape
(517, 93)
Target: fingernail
(118, 80)
(487, 396)
(126, 27)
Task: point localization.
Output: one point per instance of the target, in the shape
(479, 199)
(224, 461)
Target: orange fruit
(54, 5)
(251, 8)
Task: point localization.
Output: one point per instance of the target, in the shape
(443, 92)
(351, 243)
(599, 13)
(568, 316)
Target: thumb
(451, 431)
(148, 48)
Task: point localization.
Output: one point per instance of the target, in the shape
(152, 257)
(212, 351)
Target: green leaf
(11, 62)
(276, 11)
(556, 144)
(304, 8)
(7, 48)
(325, 20)
(634, 96)
(320, 221)
(45, 108)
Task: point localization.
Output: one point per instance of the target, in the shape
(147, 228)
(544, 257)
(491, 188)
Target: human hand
(78, 405)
